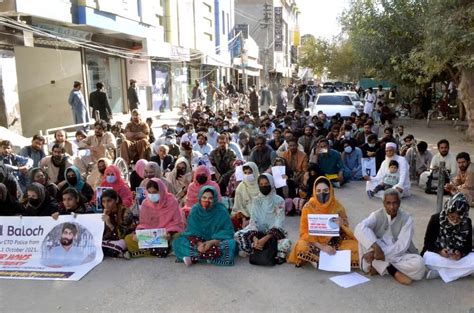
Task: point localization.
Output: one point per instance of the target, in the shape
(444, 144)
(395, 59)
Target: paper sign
(349, 280)
(140, 195)
(152, 238)
(278, 172)
(323, 225)
(239, 173)
(339, 262)
(98, 198)
(42, 248)
(368, 167)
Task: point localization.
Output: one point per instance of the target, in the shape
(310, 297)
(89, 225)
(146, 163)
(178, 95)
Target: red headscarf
(194, 187)
(120, 186)
(163, 214)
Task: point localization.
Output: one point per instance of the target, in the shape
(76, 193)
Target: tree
(341, 62)
(314, 54)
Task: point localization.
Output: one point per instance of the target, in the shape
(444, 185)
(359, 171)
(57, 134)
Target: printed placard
(323, 225)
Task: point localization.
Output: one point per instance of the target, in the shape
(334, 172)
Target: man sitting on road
(262, 154)
(56, 163)
(385, 242)
(464, 180)
(403, 186)
(420, 157)
(101, 144)
(60, 137)
(136, 146)
(202, 146)
(445, 156)
(35, 150)
(18, 165)
(329, 162)
(222, 159)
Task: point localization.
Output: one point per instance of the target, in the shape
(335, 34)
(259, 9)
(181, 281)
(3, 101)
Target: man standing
(99, 102)
(369, 102)
(253, 99)
(265, 98)
(464, 180)
(66, 253)
(35, 150)
(222, 158)
(132, 95)
(136, 146)
(78, 106)
(211, 91)
(385, 242)
(196, 92)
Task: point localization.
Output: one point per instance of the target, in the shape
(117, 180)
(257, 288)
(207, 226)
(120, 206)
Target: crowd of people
(214, 182)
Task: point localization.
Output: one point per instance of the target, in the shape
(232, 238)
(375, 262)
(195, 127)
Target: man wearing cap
(132, 95)
(403, 186)
(78, 106)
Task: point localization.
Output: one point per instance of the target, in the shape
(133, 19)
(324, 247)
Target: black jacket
(168, 162)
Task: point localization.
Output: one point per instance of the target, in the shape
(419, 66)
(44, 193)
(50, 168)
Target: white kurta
(404, 170)
(396, 251)
(450, 270)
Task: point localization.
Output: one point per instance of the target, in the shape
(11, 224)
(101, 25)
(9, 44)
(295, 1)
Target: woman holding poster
(209, 236)
(308, 246)
(160, 210)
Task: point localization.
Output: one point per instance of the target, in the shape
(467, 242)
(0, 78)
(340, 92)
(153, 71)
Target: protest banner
(47, 249)
(323, 225)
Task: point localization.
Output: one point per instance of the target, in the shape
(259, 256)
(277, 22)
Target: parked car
(354, 98)
(332, 103)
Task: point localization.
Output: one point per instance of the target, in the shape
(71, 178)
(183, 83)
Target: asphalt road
(161, 285)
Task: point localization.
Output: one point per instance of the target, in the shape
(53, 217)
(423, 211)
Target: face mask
(201, 179)
(34, 202)
(242, 124)
(371, 145)
(249, 178)
(154, 197)
(251, 126)
(111, 179)
(348, 149)
(211, 131)
(179, 129)
(265, 190)
(347, 135)
(180, 172)
(72, 180)
(323, 197)
(226, 127)
(168, 141)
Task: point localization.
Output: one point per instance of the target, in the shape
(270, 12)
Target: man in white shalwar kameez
(385, 242)
(404, 183)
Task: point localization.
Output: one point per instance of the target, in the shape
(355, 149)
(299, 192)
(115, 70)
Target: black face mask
(201, 179)
(323, 197)
(72, 180)
(34, 202)
(180, 172)
(102, 171)
(265, 190)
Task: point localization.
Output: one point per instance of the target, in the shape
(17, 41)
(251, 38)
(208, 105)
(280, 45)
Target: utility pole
(266, 24)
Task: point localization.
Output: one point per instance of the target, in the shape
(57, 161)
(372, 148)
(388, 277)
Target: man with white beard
(403, 186)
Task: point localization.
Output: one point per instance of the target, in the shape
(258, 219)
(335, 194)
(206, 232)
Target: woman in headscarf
(180, 178)
(75, 180)
(38, 175)
(97, 174)
(245, 192)
(113, 178)
(160, 209)
(447, 249)
(119, 222)
(153, 170)
(202, 177)
(8, 205)
(267, 214)
(137, 175)
(209, 236)
(308, 247)
(39, 202)
(72, 203)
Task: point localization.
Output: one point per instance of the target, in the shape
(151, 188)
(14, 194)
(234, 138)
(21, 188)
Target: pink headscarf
(140, 167)
(120, 186)
(194, 187)
(164, 214)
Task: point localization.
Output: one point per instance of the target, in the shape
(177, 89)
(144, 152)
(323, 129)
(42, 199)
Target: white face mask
(249, 178)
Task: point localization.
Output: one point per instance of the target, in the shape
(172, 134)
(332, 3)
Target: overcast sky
(319, 17)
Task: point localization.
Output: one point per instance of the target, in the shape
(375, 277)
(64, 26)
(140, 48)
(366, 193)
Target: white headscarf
(246, 191)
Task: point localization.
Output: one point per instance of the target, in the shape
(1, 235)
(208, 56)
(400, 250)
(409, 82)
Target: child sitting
(389, 180)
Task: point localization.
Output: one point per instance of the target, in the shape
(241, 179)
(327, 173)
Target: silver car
(354, 98)
(332, 103)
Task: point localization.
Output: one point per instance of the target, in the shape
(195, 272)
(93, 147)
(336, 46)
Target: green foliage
(314, 54)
